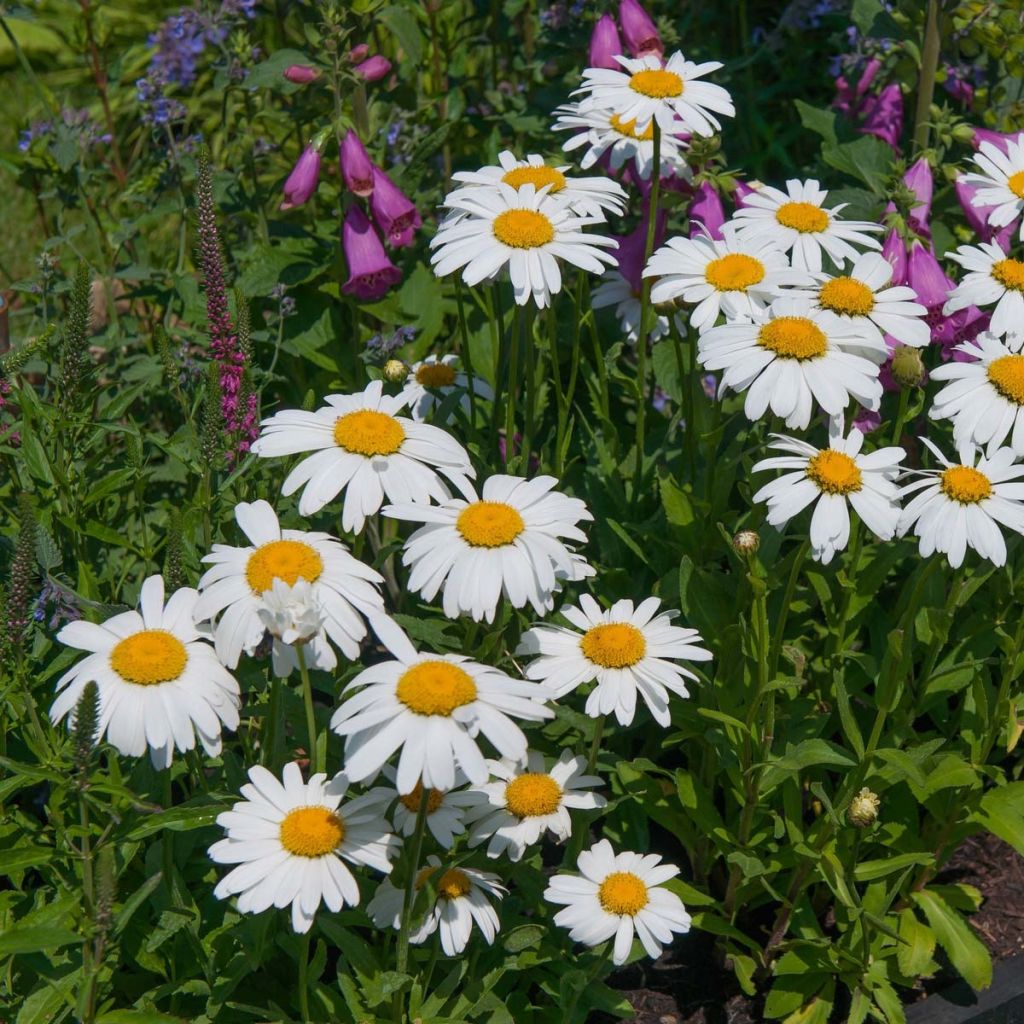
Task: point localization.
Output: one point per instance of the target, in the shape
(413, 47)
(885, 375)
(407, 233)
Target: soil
(688, 986)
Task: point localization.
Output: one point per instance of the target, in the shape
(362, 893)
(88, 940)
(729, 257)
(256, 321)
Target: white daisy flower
(528, 800)
(589, 197)
(362, 447)
(509, 541)
(615, 290)
(159, 682)
(605, 132)
(232, 590)
(799, 223)
(625, 650)
(992, 277)
(619, 895)
(958, 506)
(670, 93)
(985, 397)
(1000, 182)
(828, 478)
(791, 357)
(433, 379)
(290, 614)
(290, 842)
(432, 707)
(862, 299)
(527, 230)
(461, 898)
(445, 808)
(732, 277)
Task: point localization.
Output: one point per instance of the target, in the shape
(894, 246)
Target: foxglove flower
(849, 100)
(977, 216)
(894, 251)
(356, 165)
(884, 116)
(707, 214)
(370, 273)
(639, 29)
(605, 44)
(373, 69)
(395, 213)
(300, 74)
(301, 183)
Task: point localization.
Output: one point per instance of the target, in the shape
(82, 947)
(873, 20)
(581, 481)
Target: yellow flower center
(435, 375)
(615, 645)
(627, 129)
(489, 524)
(536, 176)
(523, 229)
(148, 657)
(287, 560)
(734, 273)
(656, 83)
(965, 484)
(848, 296)
(1007, 376)
(435, 688)
(368, 432)
(450, 886)
(1015, 183)
(834, 472)
(411, 801)
(312, 831)
(1010, 274)
(793, 337)
(532, 795)
(804, 217)
(623, 893)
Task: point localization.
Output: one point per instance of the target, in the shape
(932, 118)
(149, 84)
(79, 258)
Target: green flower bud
(863, 809)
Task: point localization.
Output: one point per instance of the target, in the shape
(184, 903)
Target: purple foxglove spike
(395, 213)
(884, 116)
(370, 273)
(605, 45)
(920, 181)
(707, 215)
(356, 165)
(639, 30)
(301, 183)
(927, 278)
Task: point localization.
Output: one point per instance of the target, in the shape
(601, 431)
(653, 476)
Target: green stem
(89, 901)
(513, 384)
(901, 415)
(317, 756)
(167, 842)
(787, 600)
(304, 978)
(926, 83)
(464, 351)
(402, 956)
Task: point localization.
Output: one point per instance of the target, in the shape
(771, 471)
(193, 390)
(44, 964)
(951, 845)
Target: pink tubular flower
(927, 278)
(707, 215)
(919, 180)
(301, 183)
(743, 189)
(959, 88)
(373, 69)
(356, 165)
(999, 139)
(358, 53)
(605, 45)
(884, 116)
(977, 216)
(630, 253)
(395, 213)
(639, 30)
(895, 251)
(849, 100)
(370, 273)
(301, 74)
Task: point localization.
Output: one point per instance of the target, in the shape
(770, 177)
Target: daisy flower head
(232, 591)
(999, 181)
(529, 799)
(799, 223)
(510, 540)
(616, 290)
(671, 93)
(733, 277)
(290, 840)
(992, 277)
(461, 899)
(792, 356)
(829, 478)
(432, 707)
(159, 682)
(985, 396)
(433, 379)
(619, 895)
(626, 650)
(445, 808)
(362, 446)
(963, 504)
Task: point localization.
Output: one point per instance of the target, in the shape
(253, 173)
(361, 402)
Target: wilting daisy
(290, 840)
(999, 181)
(526, 230)
(670, 93)
(432, 707)
(985, 397)
(362, 447)
(461, 898)
(862, 299)
(729, 277)
(626, 650)
(292, 616)
(433, 379)
(791, 357)
(232, 590)
(445, 808)
(529, 799)
(992, 277)
(828, 478)
(605, 132)
(159, 683)
(619, 895)
(799, 223)
(960, 505)
(509, 541)
(589, 197)
(615, 290)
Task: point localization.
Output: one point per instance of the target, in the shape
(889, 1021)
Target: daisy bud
(356, 165)
(605, 45)
(300, 74)
(639, 29)
(374, 69)
(371, 273)
(707, 215)
(395, 371)
(746, 543)
(395, 213)
(907, 367)
(863, 809)
(301, 183)
(884, 116)
(290, 613)
(358, 53)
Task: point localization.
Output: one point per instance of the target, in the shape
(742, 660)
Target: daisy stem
(464, 352)
(843, 611)
(304, 977)
(167, 842)
(402, 956)
(275, 727)
(582, 830)
(901, 415)
(513, 384)
(526, 340)
(499, 352)
(787, 600)
(317, 755)
(595, 745)
(600, 960)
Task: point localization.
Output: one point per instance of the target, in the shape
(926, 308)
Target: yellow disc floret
(411, 801)
(1015, 183)
(368, 432)
(450, 886)
(1009, 273)
(536, 176)
(312, 831)
(532, 795)
(735, 272)
(657, 83)
(489, 524)
(847, 296)
(803, 217)
(523, 229)
(435, 688)
(965, 484)
(793, 337)
(1007, 376)
(286, 560)
(623, 893)
(614, 645)
(435, 375)
(627, 129)
(148, 657)
(834, 472)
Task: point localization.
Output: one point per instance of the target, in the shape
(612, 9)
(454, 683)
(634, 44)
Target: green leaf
(1002, 812)
(917, 945)
(403, 26)
(23, 857)
(137, 1017)
(821, 122)
(178, 819)
(964, 949)
(867, 159)
(870, 870)
(36, 939)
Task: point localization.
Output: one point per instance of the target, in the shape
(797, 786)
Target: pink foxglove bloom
(373, 69)
(358, 53)
(743, 189)
(707, 215)
(630, 253)
(894, 250)
(605, 44)
(301, 183)
(919, 180)
(959, 88)
(301, 74)
(356, 165)
(932, 285)
(999, 139)
(370, 273)
(395, 213)
(977, 216)
(849, 99)
(639, 30)
(884, 116)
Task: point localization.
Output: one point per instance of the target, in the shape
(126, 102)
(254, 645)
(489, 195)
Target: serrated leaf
(36, 939)
(964, 949)
(917, 945)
